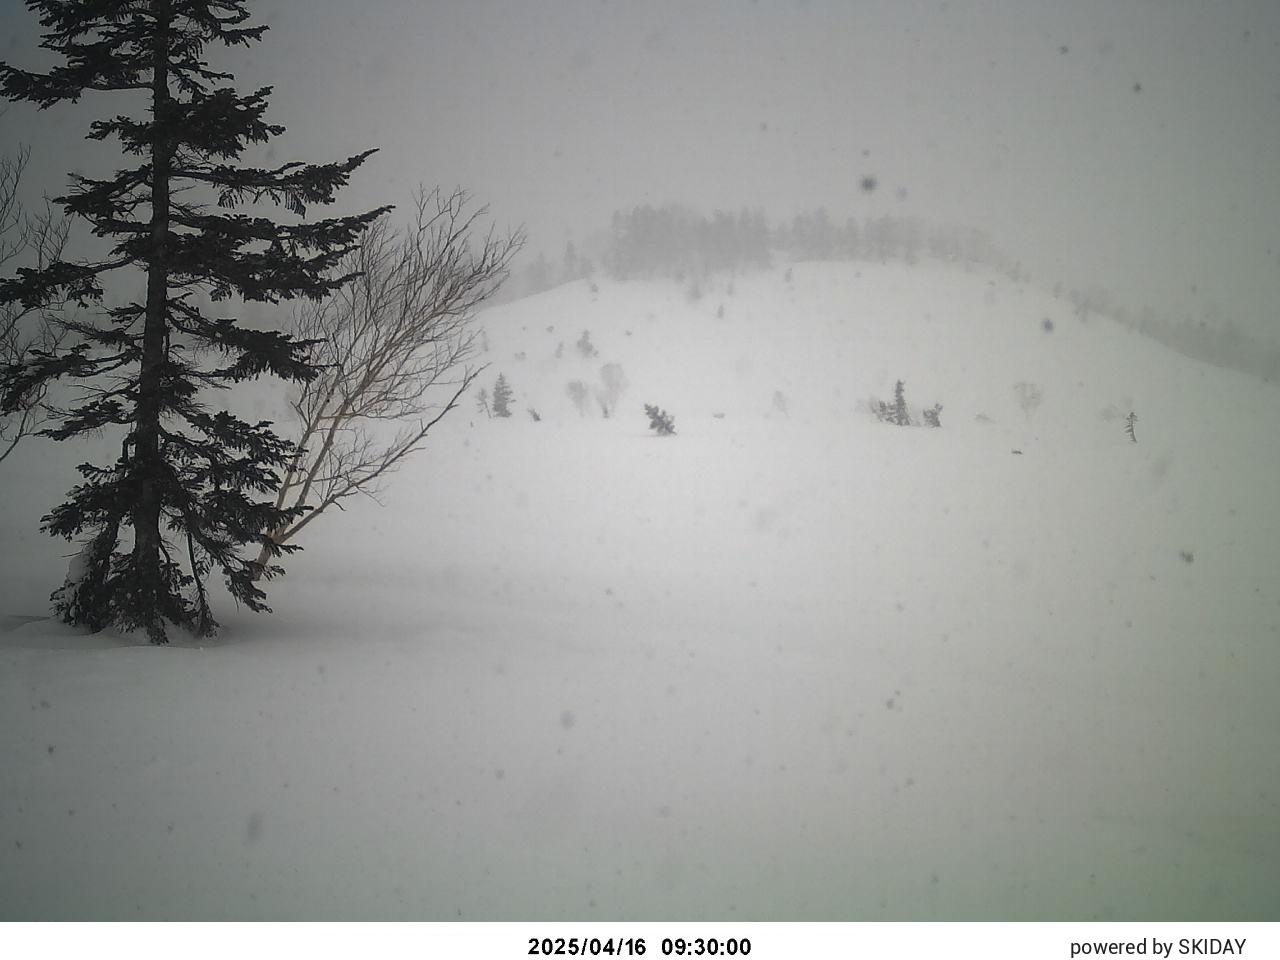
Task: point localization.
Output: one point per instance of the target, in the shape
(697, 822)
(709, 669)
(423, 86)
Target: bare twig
(27, 239)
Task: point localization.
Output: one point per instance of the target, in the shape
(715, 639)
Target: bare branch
(31, 239)
(395, 347)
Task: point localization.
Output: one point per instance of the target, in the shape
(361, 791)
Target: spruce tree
(190, 486)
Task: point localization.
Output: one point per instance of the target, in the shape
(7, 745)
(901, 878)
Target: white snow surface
(798, 665)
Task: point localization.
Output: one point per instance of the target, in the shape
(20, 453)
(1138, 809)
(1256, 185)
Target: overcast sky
(1134, 144)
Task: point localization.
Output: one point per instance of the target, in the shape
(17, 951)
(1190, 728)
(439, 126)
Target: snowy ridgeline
(789, 662)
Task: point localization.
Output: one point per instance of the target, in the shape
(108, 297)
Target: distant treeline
(676, 243)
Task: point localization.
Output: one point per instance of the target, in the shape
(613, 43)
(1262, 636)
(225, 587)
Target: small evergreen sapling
(899, 415)
(502, 395)
(896, 412)
(1129, 430)
(661, 422)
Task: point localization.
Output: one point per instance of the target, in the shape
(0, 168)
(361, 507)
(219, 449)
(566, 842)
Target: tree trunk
(147, 465)
(264, 558)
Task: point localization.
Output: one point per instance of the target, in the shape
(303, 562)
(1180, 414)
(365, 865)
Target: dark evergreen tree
(502, 397)
(190, 487)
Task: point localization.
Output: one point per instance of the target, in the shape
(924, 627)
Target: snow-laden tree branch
(396, 350)
(33, 240)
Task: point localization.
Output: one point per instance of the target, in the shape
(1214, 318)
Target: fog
(798, 657)
(1128, 144)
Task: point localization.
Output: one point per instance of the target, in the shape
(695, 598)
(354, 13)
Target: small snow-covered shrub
(613, 383)
(84, 596)
(661, 422)
(1129, 430)
(1029, 397)
(577, 391)
(933, 416)
(585, 346)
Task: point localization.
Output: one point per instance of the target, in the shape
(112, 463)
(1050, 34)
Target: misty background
(1126, 145)
(797, 660)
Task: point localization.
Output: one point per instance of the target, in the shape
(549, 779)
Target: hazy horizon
(1131, 145)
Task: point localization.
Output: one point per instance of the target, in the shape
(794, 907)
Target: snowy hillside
(790, 663)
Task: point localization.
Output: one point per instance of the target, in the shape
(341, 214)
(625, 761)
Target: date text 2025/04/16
(637, 947)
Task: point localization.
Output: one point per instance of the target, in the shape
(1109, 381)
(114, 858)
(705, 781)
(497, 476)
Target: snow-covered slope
(789, 663)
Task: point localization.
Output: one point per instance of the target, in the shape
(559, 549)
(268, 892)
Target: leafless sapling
(396, 347)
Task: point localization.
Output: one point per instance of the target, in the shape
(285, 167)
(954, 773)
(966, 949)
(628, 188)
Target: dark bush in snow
(660, 421)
